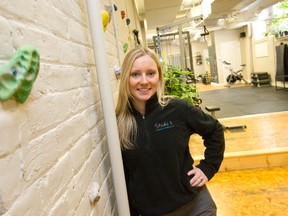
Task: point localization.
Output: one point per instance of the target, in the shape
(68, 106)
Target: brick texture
(54, 146)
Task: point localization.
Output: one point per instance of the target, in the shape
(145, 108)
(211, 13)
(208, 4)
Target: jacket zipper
(147, 146)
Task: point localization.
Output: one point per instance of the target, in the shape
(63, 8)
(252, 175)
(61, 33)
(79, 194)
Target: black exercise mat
(247, 100)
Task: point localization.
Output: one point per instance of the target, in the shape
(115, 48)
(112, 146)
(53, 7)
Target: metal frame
(281, 78)
(157, 46)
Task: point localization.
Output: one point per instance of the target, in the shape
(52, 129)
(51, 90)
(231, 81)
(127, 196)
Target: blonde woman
(154, 133)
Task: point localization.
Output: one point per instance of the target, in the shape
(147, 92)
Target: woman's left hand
(199, 179)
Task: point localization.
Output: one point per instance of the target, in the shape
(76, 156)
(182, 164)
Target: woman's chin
(144, 97)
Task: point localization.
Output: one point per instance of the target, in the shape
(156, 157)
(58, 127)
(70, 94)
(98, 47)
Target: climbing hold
(94, 194)
(105, 19)
(19, 74)
(123, 14)
(117, 70)
(136, 36)
(125, 47)
(115, 7)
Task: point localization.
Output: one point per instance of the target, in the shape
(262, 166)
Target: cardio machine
(234, 75)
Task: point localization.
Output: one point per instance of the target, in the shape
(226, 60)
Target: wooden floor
(264, 131)
(255, 192)
(202, 87)
(241, 187)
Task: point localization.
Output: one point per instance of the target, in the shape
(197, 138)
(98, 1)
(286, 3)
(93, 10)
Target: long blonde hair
(127, 126)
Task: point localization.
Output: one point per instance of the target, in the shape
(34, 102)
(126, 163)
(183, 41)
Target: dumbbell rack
(260, 79)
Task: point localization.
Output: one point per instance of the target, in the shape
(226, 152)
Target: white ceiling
(159, 13)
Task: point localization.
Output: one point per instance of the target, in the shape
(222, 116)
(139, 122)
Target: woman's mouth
(144, 89)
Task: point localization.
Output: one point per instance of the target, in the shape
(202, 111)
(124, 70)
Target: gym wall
(54, 146)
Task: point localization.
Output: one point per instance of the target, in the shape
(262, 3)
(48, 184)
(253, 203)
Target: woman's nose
(143, 79)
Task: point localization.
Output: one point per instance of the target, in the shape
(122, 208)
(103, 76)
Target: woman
(154, 133)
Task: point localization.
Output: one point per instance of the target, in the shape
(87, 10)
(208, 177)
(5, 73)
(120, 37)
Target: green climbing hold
(19, 74)
(125, 47)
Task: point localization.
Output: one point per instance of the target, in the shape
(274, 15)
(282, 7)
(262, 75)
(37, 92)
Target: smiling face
(143, 81)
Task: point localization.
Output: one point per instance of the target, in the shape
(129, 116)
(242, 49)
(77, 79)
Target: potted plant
(279, 24)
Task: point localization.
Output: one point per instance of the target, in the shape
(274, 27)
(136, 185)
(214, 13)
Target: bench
(212, 110)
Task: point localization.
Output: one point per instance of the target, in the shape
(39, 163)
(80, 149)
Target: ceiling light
(221, 22)
(203, 10)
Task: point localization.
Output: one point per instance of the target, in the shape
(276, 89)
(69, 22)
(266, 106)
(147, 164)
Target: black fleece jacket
(156, 169)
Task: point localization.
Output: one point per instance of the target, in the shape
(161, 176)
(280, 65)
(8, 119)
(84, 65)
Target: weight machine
(186, 60)
(161, 33)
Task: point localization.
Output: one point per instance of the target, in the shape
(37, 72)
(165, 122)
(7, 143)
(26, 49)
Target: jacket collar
(151, 104)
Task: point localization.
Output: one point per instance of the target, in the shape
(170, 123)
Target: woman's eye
(151, 73)
(135, 74)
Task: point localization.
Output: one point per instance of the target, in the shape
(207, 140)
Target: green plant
(279, 21)
(204, 78)
(175, 84)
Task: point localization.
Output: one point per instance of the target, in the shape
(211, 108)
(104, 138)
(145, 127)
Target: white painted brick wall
(54, 145)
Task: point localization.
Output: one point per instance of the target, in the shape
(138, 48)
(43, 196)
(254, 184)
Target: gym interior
(60, 63)
(240, 76)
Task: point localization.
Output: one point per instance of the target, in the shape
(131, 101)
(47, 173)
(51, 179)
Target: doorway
(230, 52)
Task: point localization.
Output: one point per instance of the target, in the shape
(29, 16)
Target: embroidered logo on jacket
(163, 126)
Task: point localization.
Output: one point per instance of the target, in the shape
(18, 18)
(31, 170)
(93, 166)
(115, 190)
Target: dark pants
(202, 205)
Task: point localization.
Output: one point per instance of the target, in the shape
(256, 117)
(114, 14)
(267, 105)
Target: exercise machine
(234, 75)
